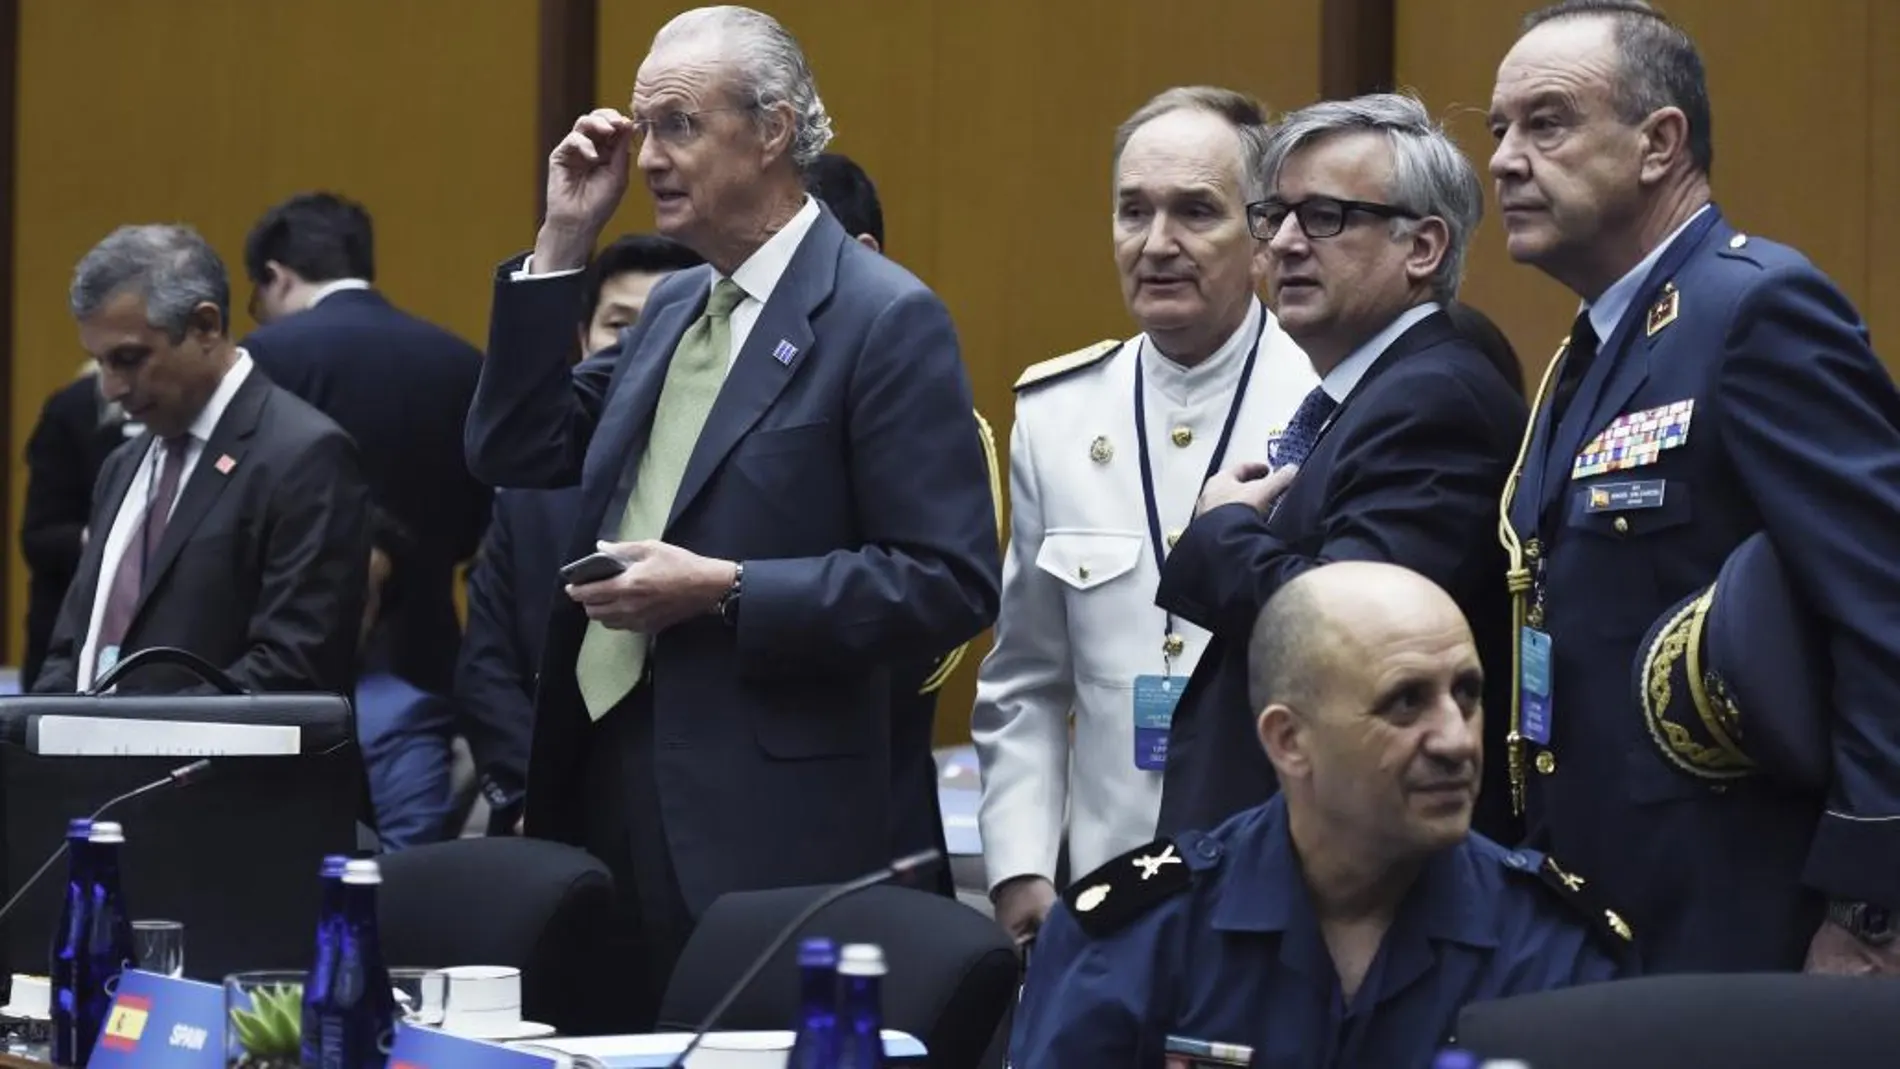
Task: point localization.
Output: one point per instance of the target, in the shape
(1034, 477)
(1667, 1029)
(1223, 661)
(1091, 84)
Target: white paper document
(98, 736)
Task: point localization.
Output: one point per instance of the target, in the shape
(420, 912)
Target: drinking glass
(159, 946)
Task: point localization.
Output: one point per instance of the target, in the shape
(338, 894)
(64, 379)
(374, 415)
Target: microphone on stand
(181, 775)
(903, 866)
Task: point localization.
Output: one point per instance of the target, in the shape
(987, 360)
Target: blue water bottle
(816, 1044)
(860, 1007)
(72, 1045)
(356, 1023)
(329, 937)
(109, 948)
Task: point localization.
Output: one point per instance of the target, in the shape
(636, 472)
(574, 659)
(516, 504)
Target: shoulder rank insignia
(1112, 896)
(1055, 368)
(1664, 311)
(1575, 891)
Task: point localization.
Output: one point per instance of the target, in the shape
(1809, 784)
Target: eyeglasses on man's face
(1320, 217)
(675, 127)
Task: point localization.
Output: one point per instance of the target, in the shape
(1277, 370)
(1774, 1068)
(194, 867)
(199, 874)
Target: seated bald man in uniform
(1347, 920)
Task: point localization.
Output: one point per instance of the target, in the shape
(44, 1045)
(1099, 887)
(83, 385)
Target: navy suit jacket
(844, 476)
(264, 565)
(401, 387)
(1795, 430)
(1408, 471)
(511, 587)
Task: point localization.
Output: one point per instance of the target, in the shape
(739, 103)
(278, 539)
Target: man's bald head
(1367, 693)
(1321, 617)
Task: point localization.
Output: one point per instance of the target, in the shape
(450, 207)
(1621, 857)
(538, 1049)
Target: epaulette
(1111, 897)
(1056, 367)
(1576, 892)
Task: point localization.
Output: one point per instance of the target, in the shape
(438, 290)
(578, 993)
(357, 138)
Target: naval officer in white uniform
(1110, 448)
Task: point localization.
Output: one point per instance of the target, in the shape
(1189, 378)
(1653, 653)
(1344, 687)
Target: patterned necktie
(611, 659)
(129, 578)
(1579, 354)
(1303, 429)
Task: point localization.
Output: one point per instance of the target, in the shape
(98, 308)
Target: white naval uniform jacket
(1078, 621)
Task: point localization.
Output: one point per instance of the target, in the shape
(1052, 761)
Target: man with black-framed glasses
(1396, 456)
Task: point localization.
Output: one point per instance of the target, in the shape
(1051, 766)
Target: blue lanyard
(1171, 644)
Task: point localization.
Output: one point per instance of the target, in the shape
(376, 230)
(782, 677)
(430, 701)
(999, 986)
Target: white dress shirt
(335, 286)
(758, 276)
(130, 519)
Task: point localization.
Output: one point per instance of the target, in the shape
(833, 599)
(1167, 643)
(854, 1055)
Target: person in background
(843, 187)
(235, 526)
(404, 731)
(619, 280)
(398, 384)
(1349, 918)
(1715, 386)
(77, 429)
(781, 473)
(514, 578)
(1110, 446)
(1398, 454)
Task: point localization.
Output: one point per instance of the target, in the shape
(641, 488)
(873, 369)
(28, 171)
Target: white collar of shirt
(760, 273)
(1216, 373)
(1607, 311)
(213, 411)
(335, 286)
(1345, 375)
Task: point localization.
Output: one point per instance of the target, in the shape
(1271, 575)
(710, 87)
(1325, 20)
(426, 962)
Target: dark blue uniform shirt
(1213, 937)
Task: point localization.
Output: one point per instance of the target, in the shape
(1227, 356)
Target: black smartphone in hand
(592, 568)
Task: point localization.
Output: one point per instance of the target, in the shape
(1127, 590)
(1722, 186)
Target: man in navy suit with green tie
(783, 462)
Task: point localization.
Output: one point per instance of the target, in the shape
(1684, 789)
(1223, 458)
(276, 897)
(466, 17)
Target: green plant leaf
(284, 1024)
(251, 1032)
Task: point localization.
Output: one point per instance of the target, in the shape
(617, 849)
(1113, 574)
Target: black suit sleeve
(532, 417)
(1812, 422)
(1415, 483)
(494, 681)
(307, 623)
(58, 485)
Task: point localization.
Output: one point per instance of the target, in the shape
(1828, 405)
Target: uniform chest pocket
(1616, 533)
(1087, 560)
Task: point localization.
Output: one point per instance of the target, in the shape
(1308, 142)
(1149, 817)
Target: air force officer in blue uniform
(1348, 920)
(1714, 385)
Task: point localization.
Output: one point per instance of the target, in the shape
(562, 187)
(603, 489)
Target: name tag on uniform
(1155, 699)
(1533, 686)
(1622, 497)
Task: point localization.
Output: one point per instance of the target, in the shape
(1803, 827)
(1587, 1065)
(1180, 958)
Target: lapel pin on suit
(784, 351)
(225, 463)
(1664, 311)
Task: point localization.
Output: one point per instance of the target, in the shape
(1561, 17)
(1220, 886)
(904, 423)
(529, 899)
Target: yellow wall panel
(209, 111)
(1881, 301)
(987, 127)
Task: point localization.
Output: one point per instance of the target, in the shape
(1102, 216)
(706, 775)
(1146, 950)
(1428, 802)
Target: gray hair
(771, 68)
(173, 267)
(1430, 176)
(1243, 112)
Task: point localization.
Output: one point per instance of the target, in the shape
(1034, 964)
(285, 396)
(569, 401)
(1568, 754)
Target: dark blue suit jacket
(401, 387)
(847, 480)
(1796, 430)
(511, 587)
(1408, 472)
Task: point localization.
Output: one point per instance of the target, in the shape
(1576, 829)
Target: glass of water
(159, 946)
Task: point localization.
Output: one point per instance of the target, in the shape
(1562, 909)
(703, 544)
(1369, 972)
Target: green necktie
(612, 659)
